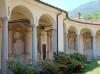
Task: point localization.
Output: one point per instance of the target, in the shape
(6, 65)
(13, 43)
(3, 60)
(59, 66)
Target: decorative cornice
(83, 22)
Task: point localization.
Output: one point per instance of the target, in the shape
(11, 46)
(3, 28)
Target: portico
(28, 32)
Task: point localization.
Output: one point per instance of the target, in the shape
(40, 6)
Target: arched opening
(72, 40)
(97, 52)
(20, 35)
(45, 37)
(87, 42)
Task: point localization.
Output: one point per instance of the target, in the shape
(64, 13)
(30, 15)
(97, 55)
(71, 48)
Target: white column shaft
(54, 40)
(94, 45)
(66, 42)
(4, 57)
(78, 44)
(34, 44)
(81, 44)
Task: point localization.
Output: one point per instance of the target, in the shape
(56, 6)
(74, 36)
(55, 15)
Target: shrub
(78, 60)
(62, 64)
(70, 62)
(77, 65)
(29, 70)
(17, 68)
(62, 58)
(49, 67)
(65, 69)
(78, 57)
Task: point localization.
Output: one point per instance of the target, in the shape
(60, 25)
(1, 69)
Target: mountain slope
(91, 16)
(90, 7)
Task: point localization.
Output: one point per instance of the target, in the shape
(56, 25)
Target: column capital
(54, 29)
(33, 26)
(66, 32)
(94, 34)
(78, 33)
(3, 18)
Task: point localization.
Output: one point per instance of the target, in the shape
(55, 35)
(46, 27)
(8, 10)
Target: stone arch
(20, 34)
(72, 28)
(22, 10)
(82, 30)
(87, 41)
(72, 39)
(45, 28)
(48, 17)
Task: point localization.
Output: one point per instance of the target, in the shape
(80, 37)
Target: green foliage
(70, 62)
(62, 58)
(91, 16)
(78, 57)
(62, 64)
(17, 68)
(49, 67)
(66, 69)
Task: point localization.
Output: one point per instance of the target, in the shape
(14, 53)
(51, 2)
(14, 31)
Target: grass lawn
(92, 67)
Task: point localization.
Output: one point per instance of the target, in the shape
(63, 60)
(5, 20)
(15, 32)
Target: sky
(67, 5)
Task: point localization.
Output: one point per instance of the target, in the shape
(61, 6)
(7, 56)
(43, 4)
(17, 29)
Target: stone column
(67, 42)
(29, 44)
(64, 40)
(81, 45)
(34, 44)
(94, 45)
(4, 52)
(78, 43)
(54, 40)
